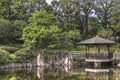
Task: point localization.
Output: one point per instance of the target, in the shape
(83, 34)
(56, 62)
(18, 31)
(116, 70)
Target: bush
(81, 48)
(4, 56)
(10, 49)
(118, 47)
(3, 51)
(6, 31)
(24, 55)
(107, 34)
(12, 58)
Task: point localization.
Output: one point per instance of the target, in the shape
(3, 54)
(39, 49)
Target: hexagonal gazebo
(98, 57)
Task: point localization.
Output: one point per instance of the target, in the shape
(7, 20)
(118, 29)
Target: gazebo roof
(96, 40)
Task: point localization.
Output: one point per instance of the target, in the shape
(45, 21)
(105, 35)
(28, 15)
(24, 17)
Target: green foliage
(68, 39)
(3, 56)
(43, 19)
(5, 9)
(115, 20)
(65, 11)
(94, 26)
(24, 55)
(3, 51)
(11, 33)
(19, 25)
(12, 58)
(41, 32)
(80, 48)
(118, 47)
(104, 12)
(9, 49)
(73, 14)
(106, 33)
(70, 21)
(41, 37)
(20, 9)
(6, 31)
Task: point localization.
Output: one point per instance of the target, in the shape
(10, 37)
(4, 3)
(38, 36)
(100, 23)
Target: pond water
(58, 73)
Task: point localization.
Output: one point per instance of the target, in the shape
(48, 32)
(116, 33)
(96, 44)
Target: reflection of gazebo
(98, 42)
(99, 75)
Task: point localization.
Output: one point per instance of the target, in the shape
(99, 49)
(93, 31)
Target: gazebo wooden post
(98, 48)
(86, 50)
(108, 50)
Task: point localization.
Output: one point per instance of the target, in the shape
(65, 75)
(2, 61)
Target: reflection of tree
(68, 60)
(56, 73)
(18, 74)
(40, 71)
(68, 69)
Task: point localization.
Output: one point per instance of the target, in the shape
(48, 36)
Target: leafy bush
(81, 48)
(3, 56)
(118, 47)
(10, 49)
(19, 25)
(106, 34)
(24, 55)
(6, 31)
(12, 58)
(3, 51)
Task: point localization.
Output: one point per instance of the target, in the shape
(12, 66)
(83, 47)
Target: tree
(68, 39)
(73, 14)
(86, 9)
(41, 31)
(5, 9)
(36, 5)
(103, 10)
(20, 9)
(105, 33)
(11, 33)
(94, 27)
(65, 11)
(6, 31)
(115, 20)
(40, 38)
(18, 27)
(43, 19)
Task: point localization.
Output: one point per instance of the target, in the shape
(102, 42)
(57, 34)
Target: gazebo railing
(99, 55)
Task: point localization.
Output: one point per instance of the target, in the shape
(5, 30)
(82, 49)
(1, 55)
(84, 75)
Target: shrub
(3, 56)
(81, 48)
(10, 49)
(3, 51)
(12, 58)
(24, 55)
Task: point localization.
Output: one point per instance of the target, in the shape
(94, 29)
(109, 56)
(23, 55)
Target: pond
(58, 73)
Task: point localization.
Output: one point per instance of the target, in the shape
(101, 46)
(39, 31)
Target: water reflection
(40, 71)
(58, 73)
(100, 74)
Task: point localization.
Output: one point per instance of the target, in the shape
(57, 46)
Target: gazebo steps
(97, 70)
(99, 60)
